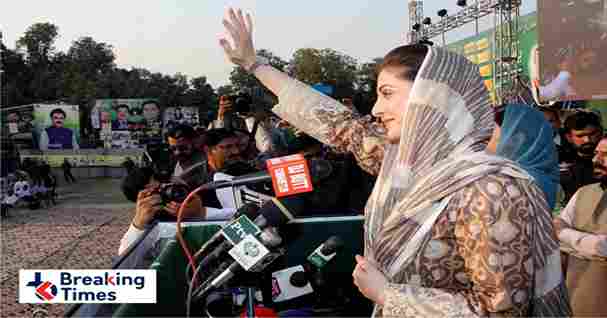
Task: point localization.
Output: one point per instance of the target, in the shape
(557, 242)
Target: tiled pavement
(82, 232)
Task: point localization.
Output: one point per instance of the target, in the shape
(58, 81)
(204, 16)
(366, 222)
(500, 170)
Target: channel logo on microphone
(87, 286)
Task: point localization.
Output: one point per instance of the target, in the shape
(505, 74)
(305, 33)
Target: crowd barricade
(86, 163)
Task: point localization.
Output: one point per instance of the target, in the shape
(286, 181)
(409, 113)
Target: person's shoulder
(499, 187)
(594, 187)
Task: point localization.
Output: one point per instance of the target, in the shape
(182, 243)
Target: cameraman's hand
(192, 209)
(148, 204)
(241, 30)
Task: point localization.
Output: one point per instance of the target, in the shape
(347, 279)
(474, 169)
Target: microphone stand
(250, 302)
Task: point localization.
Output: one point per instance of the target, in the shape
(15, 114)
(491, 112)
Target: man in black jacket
(583, 131)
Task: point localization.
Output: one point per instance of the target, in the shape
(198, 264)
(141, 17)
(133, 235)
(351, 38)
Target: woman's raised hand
(242, 52)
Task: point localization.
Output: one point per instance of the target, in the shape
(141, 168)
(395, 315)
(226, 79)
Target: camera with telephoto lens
(179, 187)
(157, 158)
(241, 103)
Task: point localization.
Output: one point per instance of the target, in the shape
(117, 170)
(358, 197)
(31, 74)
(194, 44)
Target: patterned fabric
(333, 124)
(497, 253)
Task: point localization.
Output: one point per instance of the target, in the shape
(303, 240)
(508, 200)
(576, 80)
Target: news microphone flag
(239, 229)
(290, 175)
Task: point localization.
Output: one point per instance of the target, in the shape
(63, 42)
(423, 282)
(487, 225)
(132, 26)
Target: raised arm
(310, 111)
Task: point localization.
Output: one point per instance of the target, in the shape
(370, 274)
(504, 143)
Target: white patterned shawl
(447, 122)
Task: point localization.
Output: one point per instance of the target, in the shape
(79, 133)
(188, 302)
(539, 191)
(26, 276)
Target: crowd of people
(32, 185)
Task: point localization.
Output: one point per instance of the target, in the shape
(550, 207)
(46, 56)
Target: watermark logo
(44, 290)
(87, 286)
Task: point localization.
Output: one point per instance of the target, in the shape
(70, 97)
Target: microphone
(300, 280)
(289, 175)
(273, 213)
(326, 251)
(250, 255)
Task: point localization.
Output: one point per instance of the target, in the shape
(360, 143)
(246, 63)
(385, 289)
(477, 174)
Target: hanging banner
(56, 127)
(135, 122)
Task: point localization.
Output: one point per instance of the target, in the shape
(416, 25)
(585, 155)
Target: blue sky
(182, 36)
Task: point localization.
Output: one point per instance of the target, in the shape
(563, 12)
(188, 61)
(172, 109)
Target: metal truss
(506, 67)
(416, 15)
(469, 13)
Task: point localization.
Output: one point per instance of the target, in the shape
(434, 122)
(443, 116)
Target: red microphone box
(290, 175)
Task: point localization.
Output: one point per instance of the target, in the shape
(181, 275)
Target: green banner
(480, 50)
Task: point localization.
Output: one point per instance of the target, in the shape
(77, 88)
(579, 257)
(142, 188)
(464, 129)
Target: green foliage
(245, 82)
(34, 72)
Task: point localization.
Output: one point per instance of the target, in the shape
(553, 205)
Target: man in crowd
(254, 122)
(122, 122)
(56, 136)
(565, 151)
(582, 231)
(221, 148)
(583, 131)
(67, 171)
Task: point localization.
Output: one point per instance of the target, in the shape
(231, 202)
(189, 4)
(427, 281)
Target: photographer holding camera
(151, 195)
(236, 113)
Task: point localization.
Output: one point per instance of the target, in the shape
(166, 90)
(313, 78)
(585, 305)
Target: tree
(86, 66)
(38, 42)
(366, 86)
(306, 66)
(226, 90)
(15, 78)
(37, 45)
(242, 81)
(326, 66)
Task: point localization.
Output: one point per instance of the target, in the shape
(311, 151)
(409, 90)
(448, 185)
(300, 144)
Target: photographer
(236, 113)
(149, 204)
(222, 147)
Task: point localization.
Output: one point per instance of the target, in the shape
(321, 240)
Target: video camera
(158, 163)
(241, 103)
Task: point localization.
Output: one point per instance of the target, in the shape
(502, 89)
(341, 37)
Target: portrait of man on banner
(57, 135)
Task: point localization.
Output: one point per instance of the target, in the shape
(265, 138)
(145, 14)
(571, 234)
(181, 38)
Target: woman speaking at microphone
(450, 230)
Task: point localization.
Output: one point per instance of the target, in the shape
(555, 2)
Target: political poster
(181, 115)
(573, 42)
(56, 127)
(139, 118)
(18, 120)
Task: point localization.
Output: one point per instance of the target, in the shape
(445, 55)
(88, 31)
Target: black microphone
(273, 213)
(297, 281)
(228, 269)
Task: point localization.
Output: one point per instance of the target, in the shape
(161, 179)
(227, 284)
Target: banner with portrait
(56, 127)
(138, 118)
(573, 42)
(181, 115)
(18, 120)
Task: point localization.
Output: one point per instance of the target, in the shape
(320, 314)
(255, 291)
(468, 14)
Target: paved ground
(82, 232)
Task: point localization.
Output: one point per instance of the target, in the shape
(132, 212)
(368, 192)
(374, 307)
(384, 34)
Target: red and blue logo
(45, 290)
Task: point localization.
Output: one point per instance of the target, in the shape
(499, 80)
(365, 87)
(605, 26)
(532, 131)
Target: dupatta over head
(446, 125)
